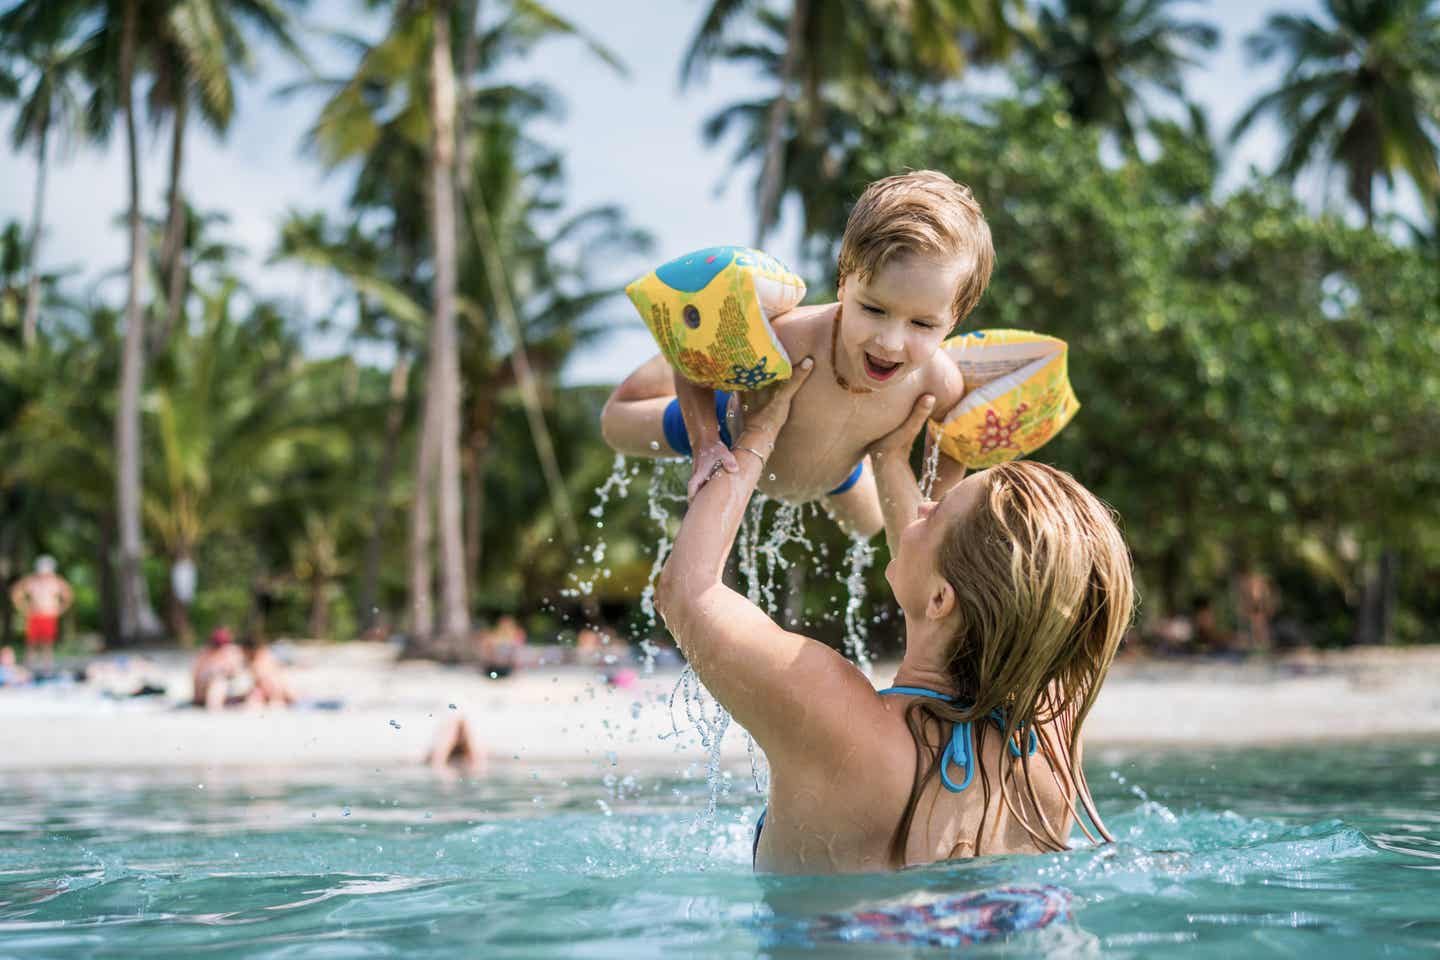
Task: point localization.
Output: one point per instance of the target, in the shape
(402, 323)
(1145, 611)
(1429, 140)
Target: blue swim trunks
(679, 439)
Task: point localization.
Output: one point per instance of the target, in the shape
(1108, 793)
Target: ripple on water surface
(1325, 852)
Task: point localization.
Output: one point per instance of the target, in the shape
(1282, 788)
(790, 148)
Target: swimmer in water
(915, 259)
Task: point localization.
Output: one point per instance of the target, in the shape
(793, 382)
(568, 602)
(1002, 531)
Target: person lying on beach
(1016, 589)
(11, 673)
(914, 261)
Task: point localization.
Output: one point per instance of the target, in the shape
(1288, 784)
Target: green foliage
(1254, 380)
(1359, 93)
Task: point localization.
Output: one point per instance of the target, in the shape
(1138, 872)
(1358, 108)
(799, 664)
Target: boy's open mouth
(879, 369)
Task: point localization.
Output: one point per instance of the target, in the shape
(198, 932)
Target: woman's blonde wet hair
(923, 212)
(1043, 596)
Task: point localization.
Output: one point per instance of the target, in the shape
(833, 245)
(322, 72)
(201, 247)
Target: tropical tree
(1109, 55)
(201, 47)
(49, 59)
(231, 399)
(1359, 93)
(402, 102)
(859, 46)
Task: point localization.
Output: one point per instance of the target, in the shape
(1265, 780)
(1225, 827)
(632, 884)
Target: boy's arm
(894, 480)
(949, 391)
(697, 406)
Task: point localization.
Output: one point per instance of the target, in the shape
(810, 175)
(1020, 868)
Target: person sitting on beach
(270, 686)
(913, 263)
(1016, 589)
(500, 647)
(42, 599)
(214, 669)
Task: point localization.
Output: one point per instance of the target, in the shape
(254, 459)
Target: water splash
(858, 558)
(667, 485)
(932, 468)
(710, 721)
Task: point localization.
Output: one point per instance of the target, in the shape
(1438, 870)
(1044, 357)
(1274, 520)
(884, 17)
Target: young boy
(914, 261)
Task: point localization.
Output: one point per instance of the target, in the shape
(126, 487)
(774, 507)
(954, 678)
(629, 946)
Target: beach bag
(710, 313)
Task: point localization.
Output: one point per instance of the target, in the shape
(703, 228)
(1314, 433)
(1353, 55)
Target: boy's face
(892, 323)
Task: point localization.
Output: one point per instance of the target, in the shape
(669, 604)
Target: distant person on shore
(500, 647)
(455, 746)
(42, 599)
(271, 688)
(11, 673)
(1255, 604)
(216, 666)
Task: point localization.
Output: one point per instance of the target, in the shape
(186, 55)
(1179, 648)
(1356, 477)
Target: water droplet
(395, 724)
(428, 815)
(772, 477)
(199, 786)
(654, 444)
(346, 811)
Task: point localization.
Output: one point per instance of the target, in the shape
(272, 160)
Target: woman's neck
(924, 664)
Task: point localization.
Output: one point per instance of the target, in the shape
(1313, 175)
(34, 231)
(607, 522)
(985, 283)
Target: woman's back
(844, 819)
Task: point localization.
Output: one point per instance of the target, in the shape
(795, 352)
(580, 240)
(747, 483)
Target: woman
(1015, 588)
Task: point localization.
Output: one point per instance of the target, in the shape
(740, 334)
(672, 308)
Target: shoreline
(569, 717)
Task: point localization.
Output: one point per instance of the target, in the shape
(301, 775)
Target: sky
(632, 140)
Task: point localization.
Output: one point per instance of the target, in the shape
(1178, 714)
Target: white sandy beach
(569, 715)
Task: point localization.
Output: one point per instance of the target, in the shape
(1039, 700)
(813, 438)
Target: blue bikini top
(961, 751)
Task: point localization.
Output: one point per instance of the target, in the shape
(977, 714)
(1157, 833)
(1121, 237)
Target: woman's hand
(902, 438)
(762, 425)
(764, 421)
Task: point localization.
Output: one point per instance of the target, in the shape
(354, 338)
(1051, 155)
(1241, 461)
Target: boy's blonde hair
(921, 212)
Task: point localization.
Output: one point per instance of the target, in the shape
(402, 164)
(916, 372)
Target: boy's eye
(923, 325)
(869, 309)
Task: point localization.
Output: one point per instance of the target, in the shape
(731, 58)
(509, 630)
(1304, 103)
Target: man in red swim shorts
(42, 599)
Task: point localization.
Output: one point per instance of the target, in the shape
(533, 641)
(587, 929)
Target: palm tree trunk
(394, 421)
(173, 258)
(137, 617)
(445, 360)
(422, 537)
(772, 172)
(32, 284)
(485, 239)
(477, 457)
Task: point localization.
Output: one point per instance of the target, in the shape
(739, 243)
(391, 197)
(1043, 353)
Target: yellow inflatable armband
(1018, 396)
(710, 313)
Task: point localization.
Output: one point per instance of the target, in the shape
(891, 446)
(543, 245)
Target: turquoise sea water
(1316, 852)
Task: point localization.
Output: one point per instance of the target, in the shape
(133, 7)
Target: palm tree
(203, 44)
(50, 62)
(1358, 93)
(1107, 54)
(230, 402)
(859, 44)
(400, 106)
(116, 46)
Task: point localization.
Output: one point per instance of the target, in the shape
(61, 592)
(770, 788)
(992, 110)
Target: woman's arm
(795, 695)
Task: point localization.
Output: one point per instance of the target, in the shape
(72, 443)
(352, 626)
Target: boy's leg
(858, 509)
(633, 421)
